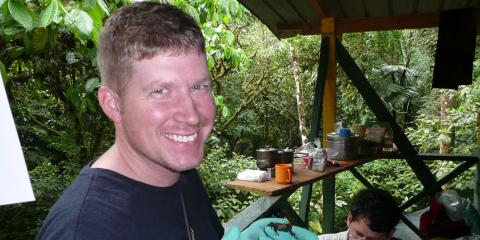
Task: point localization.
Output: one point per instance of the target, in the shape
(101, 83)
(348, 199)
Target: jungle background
(47, 60)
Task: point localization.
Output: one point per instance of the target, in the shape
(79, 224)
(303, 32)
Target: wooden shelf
(302, 176)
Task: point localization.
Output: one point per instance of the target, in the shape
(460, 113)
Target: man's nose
(186, 111)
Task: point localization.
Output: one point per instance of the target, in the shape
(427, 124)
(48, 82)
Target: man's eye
(201, 87)
(160, 91)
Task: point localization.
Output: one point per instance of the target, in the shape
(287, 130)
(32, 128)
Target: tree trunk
(447, 135)
(298, 94)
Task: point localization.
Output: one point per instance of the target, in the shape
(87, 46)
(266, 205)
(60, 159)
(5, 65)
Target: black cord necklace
(190, 232)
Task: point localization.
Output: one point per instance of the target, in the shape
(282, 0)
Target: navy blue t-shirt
(102, 204)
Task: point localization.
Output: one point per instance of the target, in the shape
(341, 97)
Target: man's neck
(122, 160)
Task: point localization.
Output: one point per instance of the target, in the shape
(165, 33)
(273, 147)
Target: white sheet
(15, 184)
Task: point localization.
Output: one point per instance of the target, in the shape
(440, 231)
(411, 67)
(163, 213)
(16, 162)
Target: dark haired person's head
(140, 31)
(373, 215)
(156, 89)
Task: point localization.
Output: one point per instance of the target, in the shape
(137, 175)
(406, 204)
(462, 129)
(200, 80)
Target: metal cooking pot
(285, 156)
(267, 158)
(345, 147)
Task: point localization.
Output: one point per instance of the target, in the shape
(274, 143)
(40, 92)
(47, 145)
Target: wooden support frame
(354, 73)
(324, 105)
(368, 93)
(263, 207)
(316, 120)
(415, 160)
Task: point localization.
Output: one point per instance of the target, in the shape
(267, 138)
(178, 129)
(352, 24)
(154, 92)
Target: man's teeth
(178, 138)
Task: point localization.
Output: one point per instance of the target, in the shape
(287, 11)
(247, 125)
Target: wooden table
(274, 195)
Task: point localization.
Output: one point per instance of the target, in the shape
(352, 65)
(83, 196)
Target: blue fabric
(261, 230)
(102, 204)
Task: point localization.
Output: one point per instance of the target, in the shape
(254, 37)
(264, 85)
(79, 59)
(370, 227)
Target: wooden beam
(411, 21)
(321, 11)
(329, 94)
(388, 23)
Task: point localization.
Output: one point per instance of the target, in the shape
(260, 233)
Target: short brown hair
(141, 31)
(378, 207)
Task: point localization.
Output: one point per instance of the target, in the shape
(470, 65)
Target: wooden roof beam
(426, 20)
(321, 11)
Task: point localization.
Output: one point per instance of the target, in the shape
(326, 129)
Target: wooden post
(329, 114)
(476, 179)
(315, 121)
(330, 95)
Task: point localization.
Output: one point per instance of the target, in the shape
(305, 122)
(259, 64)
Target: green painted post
(354, 73)
(328, 193)
(315, 123)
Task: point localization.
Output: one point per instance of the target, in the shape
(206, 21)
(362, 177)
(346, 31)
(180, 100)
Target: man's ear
(110, 103)
(349, 219)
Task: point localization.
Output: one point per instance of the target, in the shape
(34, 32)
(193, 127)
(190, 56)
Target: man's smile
(181, 138)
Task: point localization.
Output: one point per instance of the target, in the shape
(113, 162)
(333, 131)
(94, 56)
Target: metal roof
(287, 18)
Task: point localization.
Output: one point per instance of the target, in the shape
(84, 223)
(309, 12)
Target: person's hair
(378, 207)
(140, 31)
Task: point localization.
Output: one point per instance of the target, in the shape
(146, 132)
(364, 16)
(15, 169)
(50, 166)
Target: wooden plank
(302, 176)
(328, 192)
(315, 121)
(321, 11)
(252, 212)
(444, 180)
(448, 157)
(319, 89)
(410, 21)
(361, 178)
(412, 227)
(329, 116)
(292, 216)
(404, 145)
(304, 207)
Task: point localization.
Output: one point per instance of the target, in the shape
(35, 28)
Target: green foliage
(218, 168)
(22, 221)
(49, 14)
(3, 73)
(21, 14)
(49, 69)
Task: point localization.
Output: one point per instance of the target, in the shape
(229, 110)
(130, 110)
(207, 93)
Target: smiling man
(373, 216)
(156, 90)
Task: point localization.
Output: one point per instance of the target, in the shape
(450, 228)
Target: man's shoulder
(334, 236)
(82, 204)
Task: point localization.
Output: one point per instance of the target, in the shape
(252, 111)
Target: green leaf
(193, 12)
(3, 73)
(2, 2)
(21, 14)
(234, 9)
(79, 20)
(39, 38)
(226, 112)
(73, 97)
(229, 37)
(97, 16)
(102, 5)
(48, 14)
(92, 84)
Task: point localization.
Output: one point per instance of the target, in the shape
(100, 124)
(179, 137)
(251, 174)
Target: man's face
(359, 230)
(167, 110)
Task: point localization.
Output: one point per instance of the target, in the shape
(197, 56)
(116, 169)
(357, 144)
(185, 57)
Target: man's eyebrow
(205, 79)
(156, 84)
